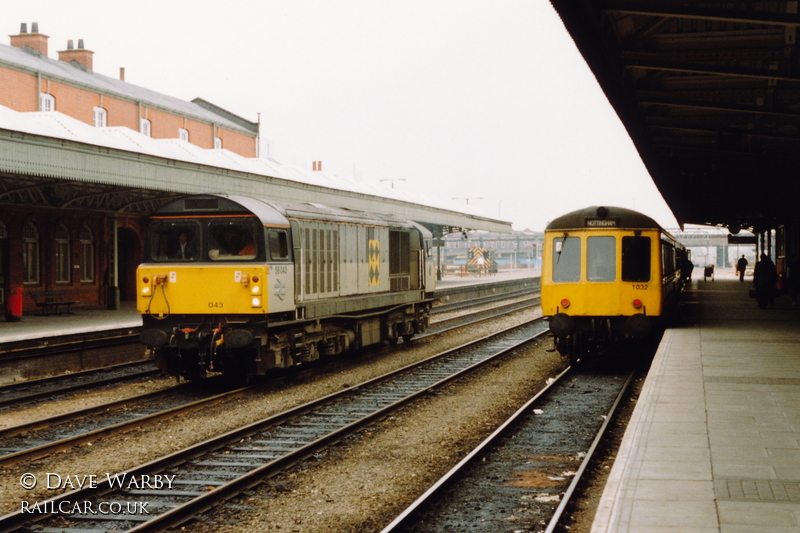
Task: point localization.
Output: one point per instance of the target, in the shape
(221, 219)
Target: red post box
(14, 304)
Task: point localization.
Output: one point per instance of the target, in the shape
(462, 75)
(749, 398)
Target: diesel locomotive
(243, 285)
(608, 273)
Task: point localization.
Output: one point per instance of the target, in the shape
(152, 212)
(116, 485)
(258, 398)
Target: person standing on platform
(765, 276)
(686, 270)
(741, 266)
(794, 278)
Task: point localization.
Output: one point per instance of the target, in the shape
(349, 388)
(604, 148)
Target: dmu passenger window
(636, 259)
(601, 258)
(566, 259)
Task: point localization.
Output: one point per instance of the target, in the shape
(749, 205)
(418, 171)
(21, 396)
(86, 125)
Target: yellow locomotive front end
(215, 273)
(183, 289)
(602, 277)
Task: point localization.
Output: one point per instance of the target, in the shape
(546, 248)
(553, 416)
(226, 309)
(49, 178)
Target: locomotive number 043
(214, 304)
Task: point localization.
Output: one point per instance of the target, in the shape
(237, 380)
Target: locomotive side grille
(399, 284)
(321, 260)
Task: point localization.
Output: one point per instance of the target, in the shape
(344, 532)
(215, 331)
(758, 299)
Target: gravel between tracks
(360, 484)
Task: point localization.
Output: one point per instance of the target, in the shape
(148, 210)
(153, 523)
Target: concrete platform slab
(714, 441)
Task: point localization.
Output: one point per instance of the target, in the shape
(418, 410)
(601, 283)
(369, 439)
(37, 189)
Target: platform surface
(714, 441)
(81, 320)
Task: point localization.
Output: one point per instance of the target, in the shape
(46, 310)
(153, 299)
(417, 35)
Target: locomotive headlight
(564, 303)
(637, 303)
(256, 289)
(256, 302)
(146, 290)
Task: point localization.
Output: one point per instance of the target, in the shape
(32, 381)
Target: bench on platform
(51, 301)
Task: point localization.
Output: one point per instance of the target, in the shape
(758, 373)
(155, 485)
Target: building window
(100, 117)
(46, 102)
(62, 254)
(144, 127)
(217, 143)
(183, 134)
(30, 256)
(87, 254)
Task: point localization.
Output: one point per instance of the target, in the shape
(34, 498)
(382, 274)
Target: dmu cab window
(636, 259)
(566, 259)
(601, 259)
(174, 240)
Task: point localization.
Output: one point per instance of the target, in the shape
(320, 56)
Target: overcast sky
(484, 100)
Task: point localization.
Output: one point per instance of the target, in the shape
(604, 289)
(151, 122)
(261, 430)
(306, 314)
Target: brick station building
(48, 244)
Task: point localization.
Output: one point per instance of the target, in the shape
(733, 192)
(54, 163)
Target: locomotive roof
(273, 213)
(603, 217)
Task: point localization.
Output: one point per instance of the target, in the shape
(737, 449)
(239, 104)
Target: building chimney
(80, 54)
(317, 166)
(35, 40)
(122, 73)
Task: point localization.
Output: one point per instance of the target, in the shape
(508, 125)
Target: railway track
(42, 437)
(444, 325)
(16, 394)
(445, 307)
(33, 350)
(218, 469)
(524, 474)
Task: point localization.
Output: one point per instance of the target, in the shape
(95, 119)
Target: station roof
(710, 95)
(50, 159)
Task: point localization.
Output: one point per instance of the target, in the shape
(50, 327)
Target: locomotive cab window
(174, 240)
(234, 240)
(278, 245)
(566, 259)
(601, 259)
(636, 259)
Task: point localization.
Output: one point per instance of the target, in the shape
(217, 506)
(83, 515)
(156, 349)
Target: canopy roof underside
(710, 95)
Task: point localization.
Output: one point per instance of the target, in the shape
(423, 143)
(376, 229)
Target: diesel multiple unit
(242, 285)
(607, 273)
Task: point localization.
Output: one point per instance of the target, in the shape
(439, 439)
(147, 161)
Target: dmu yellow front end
(608, 273)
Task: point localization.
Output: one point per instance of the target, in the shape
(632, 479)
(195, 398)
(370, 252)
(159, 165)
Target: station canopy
(709, 93)
(50, 159)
